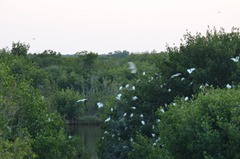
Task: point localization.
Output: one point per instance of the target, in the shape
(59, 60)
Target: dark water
(89, 135)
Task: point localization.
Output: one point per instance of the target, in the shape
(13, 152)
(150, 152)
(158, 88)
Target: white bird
(134, 98)
(236, 59)
(108, 119)
(141, 115)
(81, 100)
(153, 127)
(176, 75)
(131, 115)
(153, 135)
(119, 96)
(134, 108)
(162, 110)
(124, 114)
(127, 85)
(144, 73)
(228, 86)
(143, 122)
(120, 88)
(186, 98)
(190, 70)
(131, 139)
(111, 109)
(99, 104)
(133, 87)
(132, 67)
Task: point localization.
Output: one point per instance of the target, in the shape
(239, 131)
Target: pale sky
(102, 26)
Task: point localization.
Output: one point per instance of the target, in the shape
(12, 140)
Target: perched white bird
(153, 135)
(153, 127)
(133, 107)
(120, 88)
(133, 87)
(131, 115)
(108, 119)
(119, 96)
(143, 122)
(236, 59)
(127, 85)
(162, 110)
(111, 109)
(124, 114)
(228, 86)
(134, 98)
(186, 98)
(144, 73)
(99, 104)
(81, 100)
(176, 75)
(132, 67)
(190, 70)
(131, 139)
(141, 115)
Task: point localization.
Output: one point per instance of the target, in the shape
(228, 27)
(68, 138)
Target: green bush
(208, 127)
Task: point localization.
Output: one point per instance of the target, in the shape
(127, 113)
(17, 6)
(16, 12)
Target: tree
(207, 127)
(19, 49)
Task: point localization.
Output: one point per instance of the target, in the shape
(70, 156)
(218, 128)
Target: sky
(103, 26)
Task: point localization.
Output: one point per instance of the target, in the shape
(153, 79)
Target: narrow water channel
(89, 135)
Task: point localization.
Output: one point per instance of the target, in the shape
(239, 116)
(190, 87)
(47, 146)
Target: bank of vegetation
(181, 103)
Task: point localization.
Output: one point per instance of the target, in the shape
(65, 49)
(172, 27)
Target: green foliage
(67, 104)
(133, 115)
(19, 49)
(207, 127)
(29, 128)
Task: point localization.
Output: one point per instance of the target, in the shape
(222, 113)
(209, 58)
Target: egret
(132, 67)
(176, 75)
(119, 96)
(81, 100)
(144, 73)
(162, 110)
(131, 139)
(120, 88)
(153, 135)
(143, 122)
(100, 105)
(228, 86)
(186, 98)
(124, 114)
(131, 115)
(134, 98)
(111, 109)
(236, 59)
(190, 70)
(127, 85)
(108, 119)
(134, 108)
(133, 87)
(141, 115)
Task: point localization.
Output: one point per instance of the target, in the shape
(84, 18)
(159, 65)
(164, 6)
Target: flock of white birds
(133, 69)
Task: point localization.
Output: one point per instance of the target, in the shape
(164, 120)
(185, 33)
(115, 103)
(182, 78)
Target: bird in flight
(132, 67)
(81, 100)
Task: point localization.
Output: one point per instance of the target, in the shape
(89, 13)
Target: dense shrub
(207, 127)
